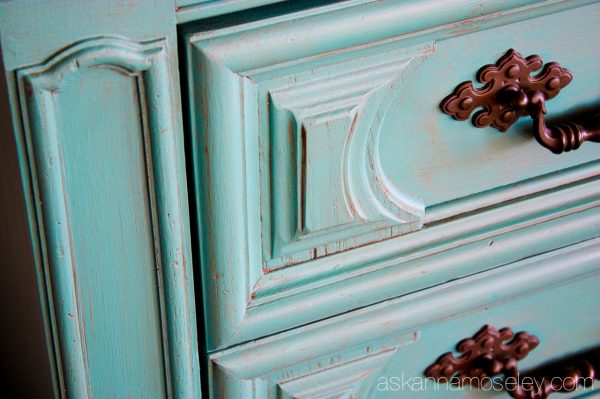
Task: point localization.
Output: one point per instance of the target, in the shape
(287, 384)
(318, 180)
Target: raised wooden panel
(104, 152)
(327, 178)
(322, 196)
(344, 184)
(382, 351)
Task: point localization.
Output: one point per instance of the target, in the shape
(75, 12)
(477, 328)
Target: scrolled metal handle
(491, 353)
(558, 138)
(510, 92)
(565, 136)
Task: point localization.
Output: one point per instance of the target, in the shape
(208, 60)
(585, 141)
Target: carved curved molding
(125, 56)
(368, 190)
(370, 196)
(331, 126)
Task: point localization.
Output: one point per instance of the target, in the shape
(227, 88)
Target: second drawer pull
(491, 353)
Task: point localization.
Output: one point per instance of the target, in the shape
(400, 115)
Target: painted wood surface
(336, 151)
(553, 296)
(102, 157)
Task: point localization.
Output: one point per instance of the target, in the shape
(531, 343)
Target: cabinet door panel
(102, 162)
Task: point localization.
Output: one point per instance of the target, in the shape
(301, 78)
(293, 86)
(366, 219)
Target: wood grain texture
(102, 159)
(357, 352)
(339, 161)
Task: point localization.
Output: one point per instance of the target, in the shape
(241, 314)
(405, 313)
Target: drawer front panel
(334, 140)
(367, 352)
(330, 122)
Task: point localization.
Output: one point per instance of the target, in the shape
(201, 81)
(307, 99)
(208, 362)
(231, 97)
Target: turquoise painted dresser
(287, 199)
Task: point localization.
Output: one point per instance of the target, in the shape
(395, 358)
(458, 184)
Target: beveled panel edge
(351, 379)
(135, 59)
(245, 367)
(348, 27)
(316, 297)
(217, 58)
(573, 197)
(190, 10)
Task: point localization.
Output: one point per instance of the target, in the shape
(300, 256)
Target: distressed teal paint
(326, 180)
(122, 221)
(444, 172)
(122, 197)
(343, 180)
(101, 147)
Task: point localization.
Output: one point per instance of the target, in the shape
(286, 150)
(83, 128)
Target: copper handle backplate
(491, 353)
(510, 91)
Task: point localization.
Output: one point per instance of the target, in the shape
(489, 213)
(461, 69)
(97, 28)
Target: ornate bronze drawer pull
(488, 355)
(509, 92)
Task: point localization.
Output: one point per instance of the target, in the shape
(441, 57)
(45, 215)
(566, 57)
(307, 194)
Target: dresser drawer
(321, 155)
(367, 353)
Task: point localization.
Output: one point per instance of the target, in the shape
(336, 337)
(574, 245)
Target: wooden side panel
(97, 110)
(99, 152)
